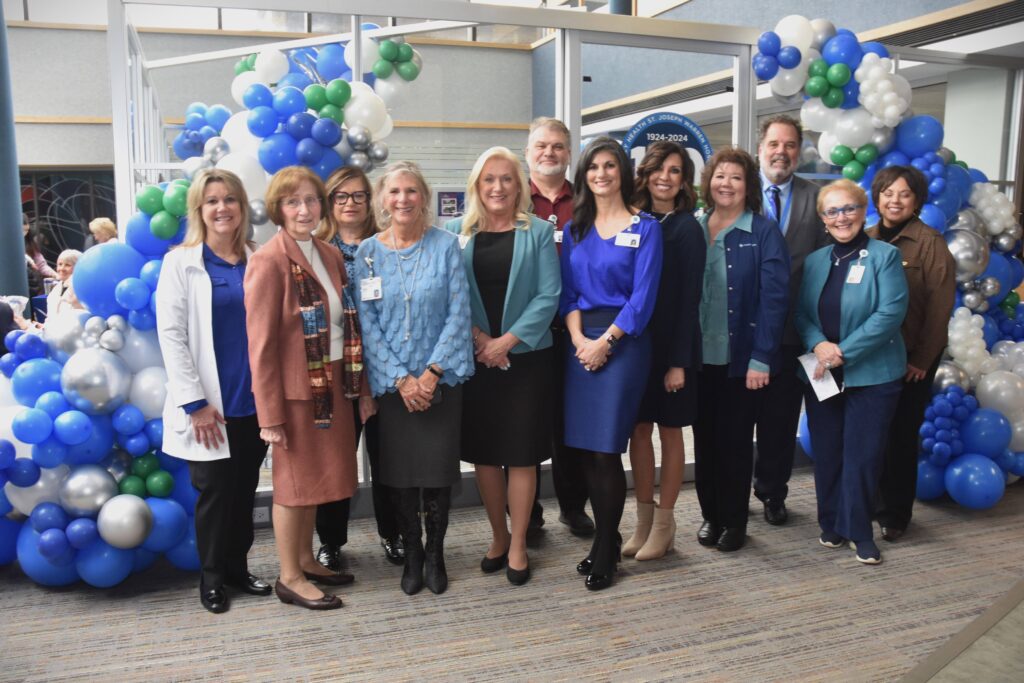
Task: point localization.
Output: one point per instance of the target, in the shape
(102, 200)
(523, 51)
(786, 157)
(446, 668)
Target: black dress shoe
(394, 550)
(250, 584)
(214, 599)
(489, 565)
(585, 565)
(775, 512)
(732, 538)
(517, 577)
(330, 557)
(708, 533)
(290, 597)
(892, 533)
(578, 522)
(598, 582)
(338, 579)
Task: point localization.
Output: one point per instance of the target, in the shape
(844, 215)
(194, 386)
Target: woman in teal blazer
(514, 282)
(851, 306)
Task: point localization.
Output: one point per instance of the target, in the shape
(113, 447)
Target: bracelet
(435, 372)
(477, 335)
(400, 381)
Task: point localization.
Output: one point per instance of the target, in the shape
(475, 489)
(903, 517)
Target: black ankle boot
(407, 510)
(436, 503)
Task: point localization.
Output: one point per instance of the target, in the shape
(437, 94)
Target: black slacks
(227, 490)
(777, 418)
(567, 464)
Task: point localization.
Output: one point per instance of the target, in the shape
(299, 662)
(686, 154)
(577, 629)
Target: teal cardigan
(534, 284)
(870, 319)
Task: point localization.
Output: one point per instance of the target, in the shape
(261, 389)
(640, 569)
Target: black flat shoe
(578, 522)
(585, 566)
(775, 512)
(338, 579)
(517, 577)
(598, 582)
(290, 597)
(489, 565)
(250, 584)
(892, 533)
(330, 557)
(709, 533)
(214, 599)
(732, 538)
(394, 550)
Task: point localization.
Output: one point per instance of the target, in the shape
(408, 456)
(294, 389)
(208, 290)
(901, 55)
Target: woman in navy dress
(611, 263)
(664, 188)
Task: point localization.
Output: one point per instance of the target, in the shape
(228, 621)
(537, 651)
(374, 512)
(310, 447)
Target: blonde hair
(843, 185)
(69, 256)
(552, 123)
(286, 182)
(409, 168)
(196, 232)
(475, 218)
(101, 226)
(329, 225)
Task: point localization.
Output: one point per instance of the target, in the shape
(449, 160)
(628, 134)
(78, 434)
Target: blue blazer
(534, 284)
(870, 317)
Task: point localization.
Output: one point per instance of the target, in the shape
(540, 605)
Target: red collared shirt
(561, 208)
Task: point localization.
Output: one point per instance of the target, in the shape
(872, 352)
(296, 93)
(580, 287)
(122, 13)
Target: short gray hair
(70, 255)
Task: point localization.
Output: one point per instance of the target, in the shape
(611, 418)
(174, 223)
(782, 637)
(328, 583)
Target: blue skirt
(601, 407)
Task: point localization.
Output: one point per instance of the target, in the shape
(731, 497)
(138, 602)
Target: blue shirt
(348, 253)
(435, 327)
(785, 201)
(598, 273)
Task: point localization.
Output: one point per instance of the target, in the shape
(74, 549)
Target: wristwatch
(612, 341)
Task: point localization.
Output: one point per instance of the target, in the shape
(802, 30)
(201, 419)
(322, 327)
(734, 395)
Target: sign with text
(673, 128)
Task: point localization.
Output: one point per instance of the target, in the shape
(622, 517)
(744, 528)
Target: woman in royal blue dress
(611, 264)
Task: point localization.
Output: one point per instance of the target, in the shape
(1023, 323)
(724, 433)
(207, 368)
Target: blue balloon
(31, 426)
(142, 319)
(217, 116)
(53, 402)
(184, 148)
(295, 79)
(977, 176)
(803, 433)
(30, 346)
(369, 78)
(769, 44)
(185, 555)
(975, 481)
(277, 151)
(991, 331)
(300, 126)
(851, 91)
(143, 559)
(843, 48)
(894, 158)
(986, 432)
(195, 138)
(49, 453)
(919, 135)
(102, 565)
(933, 217)
(326, 131)
(37, 567)
(288, 101)
(330, 62)
(5, 505)
(11, 339)
(34, 378)
(139, 236)
(328, 164)
(54, 546)
(170, 463)
(82, 532)
(948, 202)
(936, 187)
(7, 454)
(1016, 276)
(155, 433)
(132, 293)
(170, 522)
(150, 273)
(765, 67)
(309, 152)
(135, 444)
(930, 480)
(262, 121)
(196, 108)
(128, 419)
(1017, 466)
(98, 272)
(8, 364)
(183, 491)
(97, 446)
(960, 179)
(194, 121)
(47, 515)
(258, 95)
(72, 427)
(24, 472)
(8, 540)
(999, 268)
(207, 132)
(182, 231)
(875, 47)
(789, 57)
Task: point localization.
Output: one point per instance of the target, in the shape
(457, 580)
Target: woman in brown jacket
(298, 338)
(899, 192)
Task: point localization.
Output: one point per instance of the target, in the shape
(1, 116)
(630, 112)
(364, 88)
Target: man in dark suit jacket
(792, 203)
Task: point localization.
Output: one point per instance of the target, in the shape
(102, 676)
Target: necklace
(665, 217)
(839, 259)
(406, 294)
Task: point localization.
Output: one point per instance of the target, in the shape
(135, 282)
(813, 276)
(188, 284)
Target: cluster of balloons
(201, 124)
(396, 57)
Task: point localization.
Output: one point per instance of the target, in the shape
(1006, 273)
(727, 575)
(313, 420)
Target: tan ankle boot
(644, 516)
(662, 536)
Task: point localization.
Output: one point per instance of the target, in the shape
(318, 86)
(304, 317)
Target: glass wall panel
(259, 20)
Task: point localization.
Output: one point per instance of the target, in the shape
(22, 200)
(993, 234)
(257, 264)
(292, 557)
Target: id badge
(855, 275)
(627, 239)
(370, 289)
(558, 236)
(463, 241)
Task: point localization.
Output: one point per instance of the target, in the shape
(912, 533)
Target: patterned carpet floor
(782, 609)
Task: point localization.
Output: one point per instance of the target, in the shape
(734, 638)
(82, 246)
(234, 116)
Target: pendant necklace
(406, 294)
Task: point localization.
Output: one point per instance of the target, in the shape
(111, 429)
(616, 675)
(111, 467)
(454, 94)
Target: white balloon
(854, 128)
(240, 85)
(1002, 391)
(263, 233)
(384, 130)
(796, 30)
(141, 350)
(825, 144)
(249, 171)
(6, 393)
(390, 89)
(193, 165)
(360, 88)
(816, 116)
(368, 53)
(787, 82)
(45, 490)
(148, 392)
(271, 66)
(1017, 441)
(241, 140)
(366, 110)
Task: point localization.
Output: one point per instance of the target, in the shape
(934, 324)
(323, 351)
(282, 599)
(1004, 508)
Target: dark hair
(733, 155)
(328, 224)
(785, 120)
(655, 157)
(31, 241)
(914, 178)
(7, 323)
(584, 209)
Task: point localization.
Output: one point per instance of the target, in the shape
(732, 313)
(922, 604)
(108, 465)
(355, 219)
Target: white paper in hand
(824, 388)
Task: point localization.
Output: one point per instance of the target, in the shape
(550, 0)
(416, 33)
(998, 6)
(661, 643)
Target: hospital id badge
(627, 239)
(463, 241)
(855, 275)
(558, 236)
(370, 289)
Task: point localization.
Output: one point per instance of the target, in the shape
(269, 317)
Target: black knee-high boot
(407, 510)
(606, 482)
(436, 503)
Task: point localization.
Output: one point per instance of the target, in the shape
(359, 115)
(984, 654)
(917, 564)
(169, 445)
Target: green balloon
(159, 483)
(330, 111)
(338, 92)
(388, 51)
(145, 465)
(133, 486)
(150, 200)
(176, 200)
(240, 67)
(833, 98)
(181, 181)
(382, 68)
(408, 71)
(838, 75)
(961, 164)
(952, 156)
(164, 225)
(816, 86)
(841, 155)
(404, 52)
(250, 62)
(853, 170)
(316, 96)
(819, 67)
(866, 154)
(1011, 300)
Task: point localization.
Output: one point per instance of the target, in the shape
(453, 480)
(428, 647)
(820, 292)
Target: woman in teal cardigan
(852, 303)
(514, 283)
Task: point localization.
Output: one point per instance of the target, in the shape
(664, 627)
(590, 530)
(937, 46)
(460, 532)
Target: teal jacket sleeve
(533, 323)
(806, 316)
(886, 320)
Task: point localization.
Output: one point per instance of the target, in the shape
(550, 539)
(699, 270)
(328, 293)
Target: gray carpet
(782, 609)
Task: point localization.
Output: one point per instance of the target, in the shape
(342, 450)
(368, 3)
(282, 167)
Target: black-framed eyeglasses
(837, 211)
(340, 198)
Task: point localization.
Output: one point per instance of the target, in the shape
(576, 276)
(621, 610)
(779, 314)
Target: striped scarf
(317, 336)
(352, 357)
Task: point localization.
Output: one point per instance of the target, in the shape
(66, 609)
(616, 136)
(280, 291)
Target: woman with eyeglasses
(851, 305)
(348, 221)
(899, 193)
(303, 379)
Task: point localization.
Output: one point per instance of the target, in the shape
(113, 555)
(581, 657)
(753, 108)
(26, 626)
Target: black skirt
(420, 449)
(507, 414)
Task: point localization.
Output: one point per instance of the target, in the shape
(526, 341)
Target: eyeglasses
(294, 203)
(340, 198)
(837, 211)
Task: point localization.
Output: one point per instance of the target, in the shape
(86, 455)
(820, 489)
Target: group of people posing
(550, 321)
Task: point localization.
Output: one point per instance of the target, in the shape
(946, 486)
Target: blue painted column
(13, 279)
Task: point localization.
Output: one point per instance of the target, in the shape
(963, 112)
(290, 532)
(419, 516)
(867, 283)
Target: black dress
(506, 413)
(675, 324)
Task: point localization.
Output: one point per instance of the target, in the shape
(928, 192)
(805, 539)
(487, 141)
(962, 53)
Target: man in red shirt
(547, 155)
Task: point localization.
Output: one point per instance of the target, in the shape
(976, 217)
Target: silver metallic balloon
(141, 349)
(95, 326)
(359, 160)
(96, 381)
(86, 489)
(149, 391)
(344, 148)
(989, 287)
(882, 138)
(117, 322)
(250, 234)
(950, 374)
(968, 219)
(971, 285)
(946, 154)
(970, 251)
(125, 521)
(982, 307)
(397, 40)
(1014, 231)
(823, 30)
(63, 333)
(359, 138)
(112, 340)
(118, 463)
(973, 299)
(45, 490)
(215, 149)
(1004, 242)
(258, 212)
(378, 152)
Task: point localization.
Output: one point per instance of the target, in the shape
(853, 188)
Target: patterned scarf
(317, 337)
(352, 357)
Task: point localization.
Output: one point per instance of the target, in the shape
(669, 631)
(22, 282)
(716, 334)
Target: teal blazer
(870, 319)
(534, 284)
